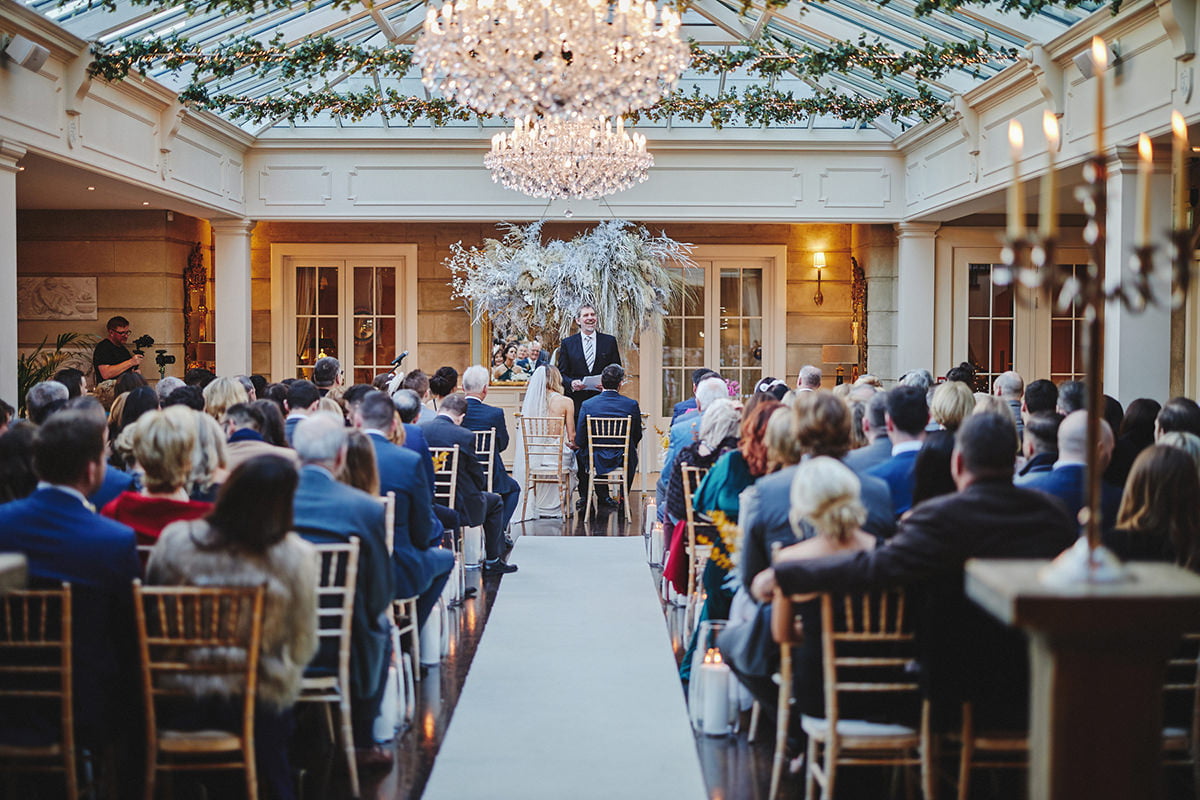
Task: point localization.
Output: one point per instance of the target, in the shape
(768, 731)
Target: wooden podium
(1098, 655)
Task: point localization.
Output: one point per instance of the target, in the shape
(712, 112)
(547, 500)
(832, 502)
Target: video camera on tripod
(161, 358)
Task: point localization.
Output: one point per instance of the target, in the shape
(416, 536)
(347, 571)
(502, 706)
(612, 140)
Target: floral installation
(619, 268)
(733, 387)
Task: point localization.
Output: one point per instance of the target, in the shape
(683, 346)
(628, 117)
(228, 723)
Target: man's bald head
(1073, 441)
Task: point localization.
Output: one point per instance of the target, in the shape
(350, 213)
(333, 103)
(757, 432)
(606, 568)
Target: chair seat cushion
(206, 741)
(856, 728)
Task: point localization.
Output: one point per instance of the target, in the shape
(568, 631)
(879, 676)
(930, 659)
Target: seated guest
(42, 398)
(166, 386)
(1179, 414)
(684, 406)
(17, 478)
(879, 444)
(609, 403)
(1072, 396)
(1040, 446)
(115, 480)
(198, 377)
(418, 382)
(1135, 434)
(907, 414)
(419, 566)
(739, 468)
(474, 504)
(302, 399)
(1187, 442)
(73, 379)
(1157, 520)
(683, 432)
(163, 442)
(246, 541)
(327, 511)
(243, 424)
(442, 384)
(821, 427)
(1067, 479)
(190, 396)
(1041, 395)
(1010, 386)
(273, 430)
(964, 653)
(481, 417)
(223, 393)
(209, 469)
(64, 539)
(6, 416)
(952, 403)
(139, 401)
(718, 435)
(931, 472)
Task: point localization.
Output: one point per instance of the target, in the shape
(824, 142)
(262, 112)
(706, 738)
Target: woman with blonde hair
(360, 469)
(208, 459)
(162, 445)
(544, 397)
(222, 393)
(952, 402)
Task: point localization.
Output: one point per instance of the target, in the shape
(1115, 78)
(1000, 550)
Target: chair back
(485, 449)
(868, 648)
(700, 536)
(389, 517)
(35, 671)
(336, 582)
(445, 474)
(187, 633)
(543, 439)
(608, 433)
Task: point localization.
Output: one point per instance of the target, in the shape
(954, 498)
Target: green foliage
(41, 364)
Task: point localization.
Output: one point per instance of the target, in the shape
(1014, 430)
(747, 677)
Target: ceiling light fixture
(581, 159)
(551, 58)
(91, 188)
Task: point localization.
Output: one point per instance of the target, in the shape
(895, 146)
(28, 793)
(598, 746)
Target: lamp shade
(819, 260)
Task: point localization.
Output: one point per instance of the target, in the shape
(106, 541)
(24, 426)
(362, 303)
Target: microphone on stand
(396, 361)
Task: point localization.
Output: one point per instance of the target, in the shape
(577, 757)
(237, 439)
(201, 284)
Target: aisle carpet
(573, 692)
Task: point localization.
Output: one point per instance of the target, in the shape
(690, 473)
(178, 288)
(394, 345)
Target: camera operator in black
(111, 358)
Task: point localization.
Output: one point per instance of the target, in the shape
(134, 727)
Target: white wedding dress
(544, 499)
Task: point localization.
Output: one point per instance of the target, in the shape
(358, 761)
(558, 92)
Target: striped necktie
(589, 351)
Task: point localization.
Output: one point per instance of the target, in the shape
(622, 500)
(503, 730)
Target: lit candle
(656, 543)
(1016, 199)
(651, 516)
(1179, 151)
(1145, 170)
(1099, 66)
(714, 675)
(1048, 222)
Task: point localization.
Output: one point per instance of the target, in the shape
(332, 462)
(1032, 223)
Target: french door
(1010, 327)
(354, 308)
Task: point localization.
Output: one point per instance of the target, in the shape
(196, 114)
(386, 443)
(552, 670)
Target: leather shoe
(498, 567)
(580, 505)
(377, 756)
(610, 502)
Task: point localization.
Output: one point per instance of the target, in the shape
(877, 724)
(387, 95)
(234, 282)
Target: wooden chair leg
(251, 771)
(755, 711)
(151, 768)
(329, 722)
(810, 770)
(967, 753)
(348, 741)
(929, 783)
(781, 721)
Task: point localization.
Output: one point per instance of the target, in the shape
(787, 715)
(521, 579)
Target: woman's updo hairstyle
(825, 492)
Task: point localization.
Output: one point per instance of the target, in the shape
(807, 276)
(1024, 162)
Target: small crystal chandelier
(551, 58)
(583, 159)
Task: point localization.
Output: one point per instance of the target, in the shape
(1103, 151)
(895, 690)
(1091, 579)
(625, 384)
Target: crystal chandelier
(551, 58)
(583, 159)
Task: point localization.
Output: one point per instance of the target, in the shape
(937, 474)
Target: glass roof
(713, 24)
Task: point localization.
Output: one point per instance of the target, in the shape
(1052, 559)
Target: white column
(1137, 344)
(915, 290)
(10, 154)
(231, 268)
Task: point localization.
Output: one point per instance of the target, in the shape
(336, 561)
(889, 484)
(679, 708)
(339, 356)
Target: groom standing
(585, 353)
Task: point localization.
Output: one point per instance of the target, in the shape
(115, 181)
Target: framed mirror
(512, 356)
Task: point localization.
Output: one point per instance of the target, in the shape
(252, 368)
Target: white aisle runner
(573, 692)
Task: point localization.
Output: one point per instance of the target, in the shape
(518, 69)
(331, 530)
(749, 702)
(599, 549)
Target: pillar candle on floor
(656, 543)
(714, 694)
(651, 516)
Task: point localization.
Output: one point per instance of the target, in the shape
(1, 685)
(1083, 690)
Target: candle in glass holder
(656, 543)
(651, 515)
(1016, 199)
(1145, 170)
(1048, 222)
(714, 694)
(1179, 153)
(1099, 66)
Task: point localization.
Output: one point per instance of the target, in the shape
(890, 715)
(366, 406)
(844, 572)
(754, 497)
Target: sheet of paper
(591, 382)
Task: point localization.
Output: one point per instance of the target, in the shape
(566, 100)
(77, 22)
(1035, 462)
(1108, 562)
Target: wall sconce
(819, 263)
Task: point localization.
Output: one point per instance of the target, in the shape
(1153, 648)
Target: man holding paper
(583, 356)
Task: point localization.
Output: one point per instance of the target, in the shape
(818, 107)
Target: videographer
(111, 358)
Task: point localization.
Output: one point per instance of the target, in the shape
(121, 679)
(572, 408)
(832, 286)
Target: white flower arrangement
(523, 285)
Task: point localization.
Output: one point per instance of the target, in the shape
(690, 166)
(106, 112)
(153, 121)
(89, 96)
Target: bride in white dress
(544, 398)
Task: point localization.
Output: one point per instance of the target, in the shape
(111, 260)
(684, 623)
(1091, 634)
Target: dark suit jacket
(414, 440)
(764, 517)
(573, 365)
(468, 500)
(1040, 462)
(400, 472)
(610, 403)
(682, 408)
(897, 472)
(864, 458)
(965, 654)
(326, 510)
(481, 417)
(289, 427)
(64, 541)
(1067, 483)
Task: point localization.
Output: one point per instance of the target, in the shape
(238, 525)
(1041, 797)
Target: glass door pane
(683, 339)
(740, 306)
(317, 320)
(1066, 334)
(373, 321)
(990, 323)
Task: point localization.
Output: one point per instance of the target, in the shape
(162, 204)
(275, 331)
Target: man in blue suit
(481, 417)
(907, 415)
(609, 403)
(419, 568)
(325, 511)
(409, 407)
(1039, 444)
(64, 539)
(1067, 479)
(474, 504)
(683, 433)
(684, 406)
(302, 399)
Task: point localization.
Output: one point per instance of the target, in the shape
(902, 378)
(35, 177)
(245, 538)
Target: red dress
(149, 515)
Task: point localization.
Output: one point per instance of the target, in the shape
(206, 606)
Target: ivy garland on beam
(314, 58)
